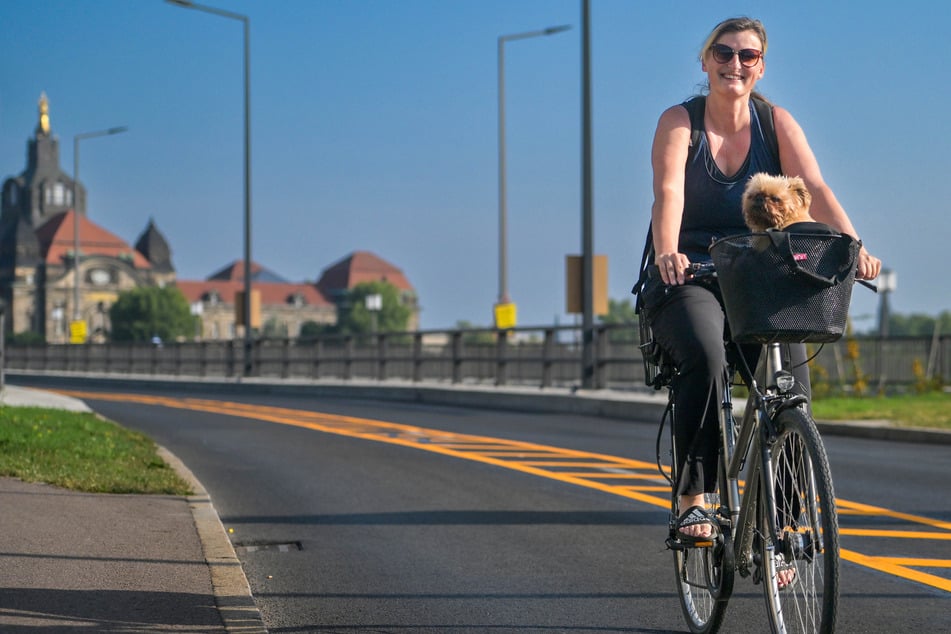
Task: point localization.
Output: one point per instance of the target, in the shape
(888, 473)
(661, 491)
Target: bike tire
(807, 527)
(704, 579)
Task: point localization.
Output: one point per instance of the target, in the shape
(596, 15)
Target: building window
(59, 194)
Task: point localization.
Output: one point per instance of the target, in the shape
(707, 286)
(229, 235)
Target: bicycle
(785, 517)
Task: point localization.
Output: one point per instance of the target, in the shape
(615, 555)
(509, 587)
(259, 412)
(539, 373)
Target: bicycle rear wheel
(807, 540)
(705, 579)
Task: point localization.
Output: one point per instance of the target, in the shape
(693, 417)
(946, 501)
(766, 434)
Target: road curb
(231, 589)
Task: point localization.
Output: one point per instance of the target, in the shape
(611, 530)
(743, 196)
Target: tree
(274, 329)
(142, 313)
(355, 318)
(917, 324)
(311, 330)
(621, 313)
(479, 337)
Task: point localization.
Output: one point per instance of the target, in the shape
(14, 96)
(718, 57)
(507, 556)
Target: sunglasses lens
(721, 53)
(749, 56)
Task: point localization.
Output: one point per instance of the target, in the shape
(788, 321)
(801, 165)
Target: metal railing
(548, 356)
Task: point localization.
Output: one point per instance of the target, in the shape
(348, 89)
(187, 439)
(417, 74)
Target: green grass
(82, 452)
(932, 409)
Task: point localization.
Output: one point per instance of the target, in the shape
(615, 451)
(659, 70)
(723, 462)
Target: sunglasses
(723, 54)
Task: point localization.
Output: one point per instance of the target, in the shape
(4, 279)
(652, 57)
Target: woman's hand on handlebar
(868, 267)
(672, 267)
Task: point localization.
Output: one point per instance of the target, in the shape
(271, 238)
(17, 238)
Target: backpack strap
(764, 110)
(646, 259)
(695, 108)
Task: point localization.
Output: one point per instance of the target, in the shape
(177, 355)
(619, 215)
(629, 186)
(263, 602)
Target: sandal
(694, 516)
(783, 566)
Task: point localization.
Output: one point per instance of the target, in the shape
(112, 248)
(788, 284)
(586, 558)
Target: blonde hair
(734, 25)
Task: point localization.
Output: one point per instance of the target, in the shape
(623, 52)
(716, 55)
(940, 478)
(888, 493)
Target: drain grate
(281, 547)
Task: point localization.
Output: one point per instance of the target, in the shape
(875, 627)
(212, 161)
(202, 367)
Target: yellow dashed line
(590, 469)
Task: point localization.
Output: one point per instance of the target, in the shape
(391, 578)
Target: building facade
(47, 284)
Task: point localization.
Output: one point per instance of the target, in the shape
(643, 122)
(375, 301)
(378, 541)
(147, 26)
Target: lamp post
(887, 282)
(187, 4)
(503, 214)
(77, 313)
(587, 208)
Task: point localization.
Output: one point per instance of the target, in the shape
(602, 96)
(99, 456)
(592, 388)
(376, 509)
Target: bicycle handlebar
(700, 270)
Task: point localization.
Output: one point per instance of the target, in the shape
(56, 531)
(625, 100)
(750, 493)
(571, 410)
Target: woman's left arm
(798, 160)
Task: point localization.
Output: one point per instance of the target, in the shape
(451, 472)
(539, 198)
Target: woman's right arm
(668, 159)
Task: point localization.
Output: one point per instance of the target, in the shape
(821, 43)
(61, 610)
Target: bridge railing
(547, 356)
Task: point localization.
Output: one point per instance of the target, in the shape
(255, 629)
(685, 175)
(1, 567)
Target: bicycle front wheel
(805, 547)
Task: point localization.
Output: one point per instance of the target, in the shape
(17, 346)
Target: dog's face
(775, 201)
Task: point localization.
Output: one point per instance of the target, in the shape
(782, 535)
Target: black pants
(688, 322)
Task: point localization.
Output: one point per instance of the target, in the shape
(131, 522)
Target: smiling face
(733, 77)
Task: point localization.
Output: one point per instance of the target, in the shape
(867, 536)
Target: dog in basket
(779, 202)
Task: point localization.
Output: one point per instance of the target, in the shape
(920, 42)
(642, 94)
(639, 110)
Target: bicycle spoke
(805, 546)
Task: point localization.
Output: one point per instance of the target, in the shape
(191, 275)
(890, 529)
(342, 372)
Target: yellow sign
(505, 316)
(77, 331)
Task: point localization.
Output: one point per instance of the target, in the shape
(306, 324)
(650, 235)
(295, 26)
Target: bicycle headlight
(785, 381)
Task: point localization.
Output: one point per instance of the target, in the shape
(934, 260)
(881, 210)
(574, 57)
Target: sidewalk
(115, 563)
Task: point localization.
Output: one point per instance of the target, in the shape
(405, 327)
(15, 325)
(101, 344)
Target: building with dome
(46, 285)
(41, 211)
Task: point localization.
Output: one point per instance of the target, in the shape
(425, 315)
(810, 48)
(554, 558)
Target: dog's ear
(798, 187)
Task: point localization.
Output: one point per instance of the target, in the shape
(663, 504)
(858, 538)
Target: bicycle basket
(786, 287)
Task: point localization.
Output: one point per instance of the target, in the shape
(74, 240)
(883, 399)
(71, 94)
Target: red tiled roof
(56, 238)
(271, 293)
(359, 267)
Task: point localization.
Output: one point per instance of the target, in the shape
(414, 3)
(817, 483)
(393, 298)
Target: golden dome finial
(44, 125)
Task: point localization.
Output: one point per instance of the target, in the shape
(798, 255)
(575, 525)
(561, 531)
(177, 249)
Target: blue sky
(374, 128)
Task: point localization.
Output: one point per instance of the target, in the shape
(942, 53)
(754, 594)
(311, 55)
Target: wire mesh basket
(786, 287)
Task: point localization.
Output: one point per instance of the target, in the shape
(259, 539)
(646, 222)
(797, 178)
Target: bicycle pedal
(676, 544)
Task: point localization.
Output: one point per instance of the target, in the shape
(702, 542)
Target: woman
(700, 201)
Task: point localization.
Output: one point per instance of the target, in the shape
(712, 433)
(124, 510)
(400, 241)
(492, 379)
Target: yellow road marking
(506, 454)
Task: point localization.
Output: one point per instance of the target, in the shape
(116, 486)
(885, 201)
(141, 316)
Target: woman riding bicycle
(697, 202)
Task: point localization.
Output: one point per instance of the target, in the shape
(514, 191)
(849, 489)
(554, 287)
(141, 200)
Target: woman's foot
(701, 530)
(785, 574)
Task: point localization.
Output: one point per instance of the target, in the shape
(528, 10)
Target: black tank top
(713, 201)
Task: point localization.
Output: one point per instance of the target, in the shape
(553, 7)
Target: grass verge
(932, 409)
(82, 452)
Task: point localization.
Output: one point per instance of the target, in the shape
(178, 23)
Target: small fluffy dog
(775, 202)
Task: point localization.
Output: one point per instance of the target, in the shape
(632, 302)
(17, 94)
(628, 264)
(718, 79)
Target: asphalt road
(385, 517)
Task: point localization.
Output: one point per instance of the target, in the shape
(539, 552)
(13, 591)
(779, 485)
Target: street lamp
(503, 247)
(887, 282)
(187, 4)
(77, 313)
